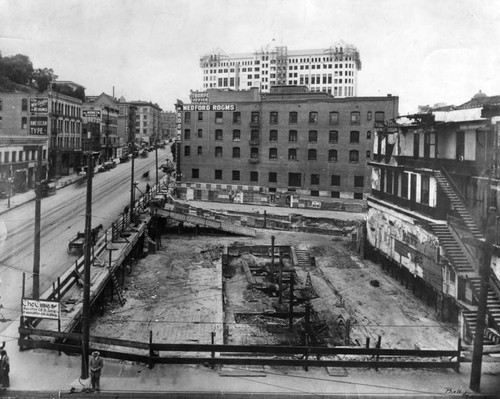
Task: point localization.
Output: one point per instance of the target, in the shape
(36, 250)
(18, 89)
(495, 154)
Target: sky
(423, 51)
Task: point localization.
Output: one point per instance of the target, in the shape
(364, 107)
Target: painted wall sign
(40, 105)
(91, 113)
(208, 107)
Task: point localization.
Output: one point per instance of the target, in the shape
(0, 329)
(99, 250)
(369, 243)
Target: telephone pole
(86, 271)
(38, 206)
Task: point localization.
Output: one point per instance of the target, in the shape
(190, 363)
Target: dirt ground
(177, 293)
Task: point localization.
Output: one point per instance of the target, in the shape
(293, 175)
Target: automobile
(48, 187)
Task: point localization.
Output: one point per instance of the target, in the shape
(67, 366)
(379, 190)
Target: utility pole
(156, 161)
(484, 274)
(86, 271)
(38, 206)
(131, 144)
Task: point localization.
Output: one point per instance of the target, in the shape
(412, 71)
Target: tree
(17, 68)
(42, 77)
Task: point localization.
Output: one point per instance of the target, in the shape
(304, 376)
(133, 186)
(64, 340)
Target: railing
(457, 191)
(150, 353)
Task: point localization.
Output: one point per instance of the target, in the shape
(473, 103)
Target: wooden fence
(152, 353)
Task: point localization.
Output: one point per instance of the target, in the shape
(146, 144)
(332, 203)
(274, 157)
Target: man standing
(4, 369)
(96, 364)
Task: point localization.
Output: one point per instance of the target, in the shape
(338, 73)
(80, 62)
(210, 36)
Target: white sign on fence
(41, 309)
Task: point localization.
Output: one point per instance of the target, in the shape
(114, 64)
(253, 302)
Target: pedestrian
(148, 187)
(96, 364)
(4, 369)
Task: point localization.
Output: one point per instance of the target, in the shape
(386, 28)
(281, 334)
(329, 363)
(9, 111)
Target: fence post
(213, 352)
(151, 353)
(378, 347)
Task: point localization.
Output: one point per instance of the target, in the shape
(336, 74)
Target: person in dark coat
(4, 369)
(96, 364)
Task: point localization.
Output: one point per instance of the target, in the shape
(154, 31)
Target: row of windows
(19, 156)
(272, 177)
(333, 118)
(312, 154)
(321, 61)
(333, 135)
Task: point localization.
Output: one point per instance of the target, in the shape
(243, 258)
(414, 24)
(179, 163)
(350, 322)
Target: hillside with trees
(17, 73)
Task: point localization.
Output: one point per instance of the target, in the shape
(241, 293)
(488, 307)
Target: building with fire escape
(435, 175)
(333, 70)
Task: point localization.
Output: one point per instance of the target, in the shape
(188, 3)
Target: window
(354, 156)
(273, 153)
(200, 133)
(313, 136)
(292, 117)
(6, 157)
(218, 135)
(292, 135)
(273, 117)
(236, 152)
(254, 176)
(200, 150)
(236, 135)
(218, 152)
(236, 175)
(334, 118)
(335, 180)
(187, 134)
(369, 116)
(254, 153)
(292, 154)
(359, 181)
(14, 156)
(237, 117)
(187, 151)
(24, 104)
(315, 179)
(218, 174)
(332, 155)
(24, 122)
(195, 173)
(335, 194)
(311, 154)
(273, 177)
(200, 116)
(368, 135)
(187, 117)
(313, 117)
(1, 104)
(368, 154)
(255, 117)
(218, 117)
(358, 196)
(354, 137)
(424, 193)
(273, 135)
(355, 118)
(333, 136)
(379, 116)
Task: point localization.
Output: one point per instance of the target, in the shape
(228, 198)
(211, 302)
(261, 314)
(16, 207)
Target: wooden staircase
(455, 254)
(303, 258)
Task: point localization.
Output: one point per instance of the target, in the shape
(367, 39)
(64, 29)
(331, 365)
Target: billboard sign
(199, 97)
(91, 113)
(41, 309)
(39, 105)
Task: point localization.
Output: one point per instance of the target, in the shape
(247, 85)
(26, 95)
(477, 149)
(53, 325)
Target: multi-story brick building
(333, 70)
(24, 127)
(65, 127)
(435, 177)
(279, 146)
(147, 123)
(102, 112)
(168, 127)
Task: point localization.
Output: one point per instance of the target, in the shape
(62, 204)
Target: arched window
(311, 154)
(236, 152)
(354, 156)
(332, 155)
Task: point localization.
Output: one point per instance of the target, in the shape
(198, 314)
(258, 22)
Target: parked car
(48, 187)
